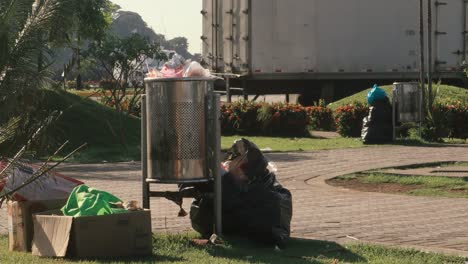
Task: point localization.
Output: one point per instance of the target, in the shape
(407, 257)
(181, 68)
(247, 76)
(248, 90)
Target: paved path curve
(322, 211)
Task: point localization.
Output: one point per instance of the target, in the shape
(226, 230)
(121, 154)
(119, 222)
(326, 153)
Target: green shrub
(240, 118)
(251, 118)
(456, 119)
(287, 120)
(321, 118)
(446, 120)
(349, 119)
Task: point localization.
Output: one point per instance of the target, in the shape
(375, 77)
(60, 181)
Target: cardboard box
(117, 235)
(20, 223)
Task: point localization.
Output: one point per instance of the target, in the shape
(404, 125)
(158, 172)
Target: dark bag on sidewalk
(377, 126)
(254, 203)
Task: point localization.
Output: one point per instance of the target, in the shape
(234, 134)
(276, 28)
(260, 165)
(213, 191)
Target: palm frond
(25, 27)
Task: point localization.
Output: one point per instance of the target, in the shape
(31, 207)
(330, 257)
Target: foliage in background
(446, 120)
(240, 118)
(349, 119)
(122, 59)
(252, 118)
(321, 118)
(288, 120)
(27, 29)
(89, 21)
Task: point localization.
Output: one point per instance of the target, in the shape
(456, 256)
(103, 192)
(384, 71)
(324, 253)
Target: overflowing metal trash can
(181, 135)
(176, 129)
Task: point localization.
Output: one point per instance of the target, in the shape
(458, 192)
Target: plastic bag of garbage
(194, 69)
(178, 67)
(174, 68)
(153, 73)
(86, 201)
(254, 204)
(245, 160)
(375, 94)
(377, 127)
(51, 186)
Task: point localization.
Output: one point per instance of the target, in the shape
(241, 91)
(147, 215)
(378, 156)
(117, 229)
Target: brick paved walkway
(322, 211)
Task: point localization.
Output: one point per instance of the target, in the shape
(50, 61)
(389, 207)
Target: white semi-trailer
(313, 46)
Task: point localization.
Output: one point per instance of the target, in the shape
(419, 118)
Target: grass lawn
(96, 92)
(279, 144)
(446, 93)
(86, 121)
(177, 249)
(433, 186)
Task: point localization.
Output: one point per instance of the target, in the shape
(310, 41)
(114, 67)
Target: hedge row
(280, 119)
(447, 120)
(251, 118)
(349, 117)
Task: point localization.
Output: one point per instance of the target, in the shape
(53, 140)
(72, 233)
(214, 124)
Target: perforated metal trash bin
(407, 97)
(176, 129)
(407, 105)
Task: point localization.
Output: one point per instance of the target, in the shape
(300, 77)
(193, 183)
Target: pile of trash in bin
(178, 67)
(254, 204)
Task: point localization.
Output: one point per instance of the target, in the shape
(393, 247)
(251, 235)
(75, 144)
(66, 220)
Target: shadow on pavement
(286, 156)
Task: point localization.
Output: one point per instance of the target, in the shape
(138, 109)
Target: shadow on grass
(132, 260)
(297, 251)
(237, 249)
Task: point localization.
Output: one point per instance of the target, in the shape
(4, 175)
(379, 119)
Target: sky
(173, 18)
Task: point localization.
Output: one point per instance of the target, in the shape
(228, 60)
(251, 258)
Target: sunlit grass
(178, 249)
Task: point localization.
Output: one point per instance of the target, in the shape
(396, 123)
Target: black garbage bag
(254, 205)
(377, 126)
(202, 216)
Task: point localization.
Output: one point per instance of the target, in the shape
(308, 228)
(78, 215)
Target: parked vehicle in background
(328, 48)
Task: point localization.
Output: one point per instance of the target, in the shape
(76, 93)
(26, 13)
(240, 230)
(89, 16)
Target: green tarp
(86, 201)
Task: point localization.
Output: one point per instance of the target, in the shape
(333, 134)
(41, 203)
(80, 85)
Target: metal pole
(394, 98)
(216, 163)
(216, 30)
(144, 165)
(464, 31)
(421, 54)
(429, 52)
(244, 92)
(228, 90)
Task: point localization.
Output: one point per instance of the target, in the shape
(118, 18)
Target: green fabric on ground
(86, 201)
